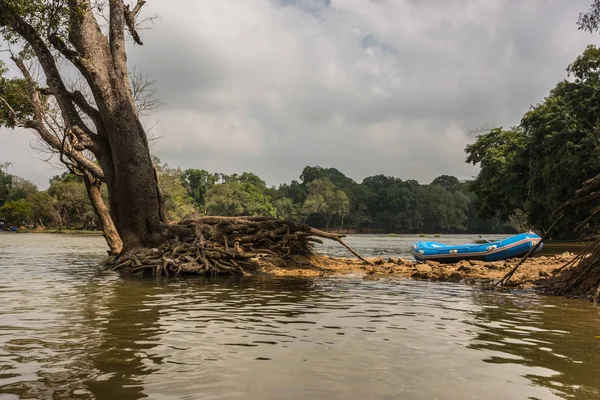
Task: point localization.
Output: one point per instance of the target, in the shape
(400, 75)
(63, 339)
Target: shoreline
(61, 232)
(533, 273)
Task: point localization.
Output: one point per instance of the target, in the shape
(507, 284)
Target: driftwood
(224, 245)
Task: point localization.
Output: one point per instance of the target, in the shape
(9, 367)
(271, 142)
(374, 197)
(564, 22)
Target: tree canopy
(535, 167)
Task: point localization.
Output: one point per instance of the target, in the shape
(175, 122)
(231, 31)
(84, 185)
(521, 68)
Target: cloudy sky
(366, 86)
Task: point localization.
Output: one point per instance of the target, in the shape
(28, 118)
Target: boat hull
(514, 246)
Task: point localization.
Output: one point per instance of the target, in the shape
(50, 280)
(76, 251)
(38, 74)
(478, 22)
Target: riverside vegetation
(323, 198)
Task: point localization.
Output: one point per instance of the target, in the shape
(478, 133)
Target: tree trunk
(129, 174)
(117, 138)
(132, 186)
(109, 230)
(327, 222)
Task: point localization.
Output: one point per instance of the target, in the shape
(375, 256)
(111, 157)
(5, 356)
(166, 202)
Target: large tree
(90, 36)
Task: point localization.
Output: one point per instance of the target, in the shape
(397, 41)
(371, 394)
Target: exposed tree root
(580, 276)
(224, 245)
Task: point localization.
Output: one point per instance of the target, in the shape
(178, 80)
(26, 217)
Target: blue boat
(514, 246)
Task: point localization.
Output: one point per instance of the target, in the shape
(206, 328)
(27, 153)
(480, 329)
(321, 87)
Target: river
(69, 330)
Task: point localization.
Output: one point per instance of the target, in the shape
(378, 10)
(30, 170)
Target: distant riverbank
(551, 247)
(61, 231)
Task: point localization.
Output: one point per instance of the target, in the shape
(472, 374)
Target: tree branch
(79, 99)
(116, 38)
(46, 59)
(130, 18)
(83, 138)
(15, 120)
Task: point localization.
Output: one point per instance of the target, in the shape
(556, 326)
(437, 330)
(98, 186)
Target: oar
(481, 237)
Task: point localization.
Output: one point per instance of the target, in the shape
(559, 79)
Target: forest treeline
(323, 197)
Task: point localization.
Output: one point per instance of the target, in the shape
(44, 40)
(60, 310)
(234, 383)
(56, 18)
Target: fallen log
(224, 245)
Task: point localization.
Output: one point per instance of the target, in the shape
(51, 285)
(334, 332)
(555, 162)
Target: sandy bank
(529, 274)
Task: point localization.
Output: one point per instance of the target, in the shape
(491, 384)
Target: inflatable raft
(514, 246)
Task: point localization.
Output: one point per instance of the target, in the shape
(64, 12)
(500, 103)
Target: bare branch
(130, 20)
(79, 99)
(84, 140)
(143, 92)
(485, 128)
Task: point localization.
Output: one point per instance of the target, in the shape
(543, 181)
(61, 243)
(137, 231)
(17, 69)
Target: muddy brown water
(68, 330)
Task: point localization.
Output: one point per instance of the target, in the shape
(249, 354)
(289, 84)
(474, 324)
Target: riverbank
(530, 274)
(62, 231)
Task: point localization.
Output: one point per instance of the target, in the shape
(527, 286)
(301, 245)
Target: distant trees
(238, 195)
(42, 208)
(72, 208)
(197, 182)
(13, 191)
(178, 203)
(16, 212)
(5, 182)
(324, 198)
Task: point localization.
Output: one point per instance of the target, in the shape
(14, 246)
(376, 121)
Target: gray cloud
(369, 87)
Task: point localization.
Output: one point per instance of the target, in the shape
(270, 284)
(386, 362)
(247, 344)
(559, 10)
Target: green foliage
(534, 168)
(6, 181)
(443, 210)
(393, 204)
(325, 199)
(72, 207)
(246, 178)
(197, 182)
(286, 208)
(295, 191)
(340, 180)
(42, 208)
(237, 198)
(501, 185)
(21, 188)
(176, 197)
(16, 93)
(450, 183)
(17, 212)
(13, 187)
(590, 21)
(381, 203)
(48, 16)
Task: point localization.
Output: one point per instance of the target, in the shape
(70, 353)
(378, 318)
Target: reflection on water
(70, 331)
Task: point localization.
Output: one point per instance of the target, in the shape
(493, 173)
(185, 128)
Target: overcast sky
(366, 86)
